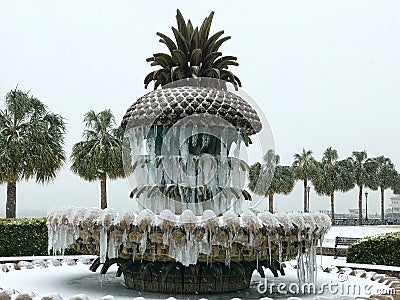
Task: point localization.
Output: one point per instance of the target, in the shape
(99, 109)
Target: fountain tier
(189, 243)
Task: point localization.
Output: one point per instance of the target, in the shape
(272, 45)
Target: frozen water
(188, 249)
(195, 132)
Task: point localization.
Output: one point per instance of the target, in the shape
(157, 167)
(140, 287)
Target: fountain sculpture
(190, 233)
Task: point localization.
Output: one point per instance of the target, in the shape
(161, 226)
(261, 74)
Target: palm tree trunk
(360, 214)
(382, 206)
(333, 208)
(103, 193)
(11, 204)
(271, 203)
(305, 196)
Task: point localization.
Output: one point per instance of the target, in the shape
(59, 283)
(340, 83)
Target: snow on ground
(357, 232)
(77, 279)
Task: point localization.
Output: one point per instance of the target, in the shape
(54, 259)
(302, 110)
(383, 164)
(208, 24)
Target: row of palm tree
(32, 140)
(327, 176)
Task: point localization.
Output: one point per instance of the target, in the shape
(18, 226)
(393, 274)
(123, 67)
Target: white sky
(325, 73)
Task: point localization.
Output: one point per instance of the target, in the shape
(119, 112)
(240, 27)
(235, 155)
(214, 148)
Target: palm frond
(194, 51)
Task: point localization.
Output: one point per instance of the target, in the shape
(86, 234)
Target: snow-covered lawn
(356, 231)
(69, 280)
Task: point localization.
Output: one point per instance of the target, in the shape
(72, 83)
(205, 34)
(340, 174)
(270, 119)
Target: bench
(343, 241)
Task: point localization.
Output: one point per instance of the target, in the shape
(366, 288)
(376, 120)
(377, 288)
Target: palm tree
(99, 156)
(262, 183)
(304, 167)
(31, 144)
(194, 53)
(396, 184)
(384, 177)
(333, 175)
(359, 159)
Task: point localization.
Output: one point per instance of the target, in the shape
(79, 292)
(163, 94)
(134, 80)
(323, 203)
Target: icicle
(224, 141)
(167, 142)
(207, 169)
(236, 151)
(205, 140)
(142, 245)
(50, 242)
(191, 179)
(320, 247)
(159, 173)
(173, 169)
(69, 237)
(300, 267)
(242, 176)
(140, 139)
(251, 240)
(132, 144)
(195, 132)
(228, 257)
(308, 265)
(184, 152)
(77, 219)
(103, 245)
(151, 150)
(62, 239)
(124, 238)
(235, 177)
(111, 247)
(222, 166)
(269, 249)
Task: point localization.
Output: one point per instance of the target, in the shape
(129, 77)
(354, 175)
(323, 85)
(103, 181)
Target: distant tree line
(328, 176)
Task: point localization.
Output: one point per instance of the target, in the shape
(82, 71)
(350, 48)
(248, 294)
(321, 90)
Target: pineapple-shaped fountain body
(181, 135)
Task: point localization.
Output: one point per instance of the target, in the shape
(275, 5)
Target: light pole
(308, 198)
(366, 206)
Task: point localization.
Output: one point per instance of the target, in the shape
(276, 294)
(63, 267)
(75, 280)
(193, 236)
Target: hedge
(377, 250)
(24, 237)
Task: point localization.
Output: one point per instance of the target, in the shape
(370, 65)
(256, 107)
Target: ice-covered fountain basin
(184, 238)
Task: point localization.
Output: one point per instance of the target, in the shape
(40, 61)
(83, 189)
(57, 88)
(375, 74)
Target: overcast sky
(324, 73)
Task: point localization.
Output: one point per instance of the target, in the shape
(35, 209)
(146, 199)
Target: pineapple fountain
(190, 233)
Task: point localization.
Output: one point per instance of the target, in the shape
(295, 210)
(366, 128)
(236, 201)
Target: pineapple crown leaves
(194, 53)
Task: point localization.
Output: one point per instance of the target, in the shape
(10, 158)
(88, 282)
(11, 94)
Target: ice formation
(187, 235)
(174, 169)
